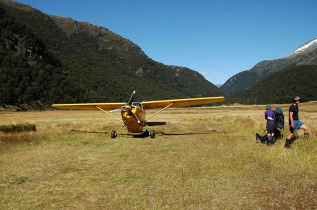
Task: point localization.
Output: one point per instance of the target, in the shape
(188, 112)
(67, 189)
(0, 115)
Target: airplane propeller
(131, 98)
(128, 108)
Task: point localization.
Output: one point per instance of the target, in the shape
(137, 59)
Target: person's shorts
(297, 124)
(270, 125)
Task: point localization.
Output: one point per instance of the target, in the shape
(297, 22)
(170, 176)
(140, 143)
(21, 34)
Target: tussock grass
(20, 180)
(209, 160)
(17, 128)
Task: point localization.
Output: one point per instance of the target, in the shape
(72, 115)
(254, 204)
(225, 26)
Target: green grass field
(203, 158)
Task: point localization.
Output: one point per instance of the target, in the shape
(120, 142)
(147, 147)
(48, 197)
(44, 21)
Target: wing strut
(108, 113)
(159, 111)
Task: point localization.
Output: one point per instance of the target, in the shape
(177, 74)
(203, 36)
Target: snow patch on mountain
(304, 47)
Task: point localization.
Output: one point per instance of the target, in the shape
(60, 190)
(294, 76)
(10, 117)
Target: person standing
(269, 116)
(294, 122)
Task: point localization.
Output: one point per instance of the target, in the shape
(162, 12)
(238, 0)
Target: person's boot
(291, 141)
(273, 140)
(306, 135)
(287, 143)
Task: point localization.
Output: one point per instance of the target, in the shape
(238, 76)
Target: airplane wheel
(152, 133)
(113, 134)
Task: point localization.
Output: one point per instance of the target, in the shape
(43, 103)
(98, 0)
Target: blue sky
(218, 38)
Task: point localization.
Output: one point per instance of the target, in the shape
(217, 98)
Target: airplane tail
(155, 123)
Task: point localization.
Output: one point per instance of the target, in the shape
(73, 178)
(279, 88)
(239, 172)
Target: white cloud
(205, 73)
(214, 77)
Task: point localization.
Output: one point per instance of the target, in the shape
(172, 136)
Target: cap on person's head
(297, 98)
(268, 107)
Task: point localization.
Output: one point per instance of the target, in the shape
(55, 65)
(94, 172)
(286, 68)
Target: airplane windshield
(139, 104)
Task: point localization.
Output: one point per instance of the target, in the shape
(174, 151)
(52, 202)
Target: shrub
(16, 128)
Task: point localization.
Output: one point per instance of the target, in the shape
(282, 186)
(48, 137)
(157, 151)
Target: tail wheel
(113, 134)
(152, 134)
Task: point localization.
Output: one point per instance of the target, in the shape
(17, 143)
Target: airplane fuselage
(132, 125)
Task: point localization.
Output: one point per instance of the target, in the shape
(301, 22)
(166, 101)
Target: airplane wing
(89, 106)
(181, 102)
(146, 104)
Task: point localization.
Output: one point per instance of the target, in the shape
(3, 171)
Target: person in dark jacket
(269, 116)
(294, 122)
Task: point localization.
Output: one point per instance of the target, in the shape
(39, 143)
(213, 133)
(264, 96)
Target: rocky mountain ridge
(304, 55)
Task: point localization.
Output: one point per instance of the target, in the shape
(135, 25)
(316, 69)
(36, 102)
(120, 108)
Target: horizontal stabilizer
(155, 123)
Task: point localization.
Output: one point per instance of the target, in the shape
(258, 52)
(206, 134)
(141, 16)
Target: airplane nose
(128, 108)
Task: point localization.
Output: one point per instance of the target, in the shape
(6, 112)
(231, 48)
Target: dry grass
(209, 159)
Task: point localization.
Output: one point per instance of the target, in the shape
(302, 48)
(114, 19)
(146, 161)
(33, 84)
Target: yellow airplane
(133, 114)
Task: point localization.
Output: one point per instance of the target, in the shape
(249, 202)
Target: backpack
(279, 118)
(263, 138)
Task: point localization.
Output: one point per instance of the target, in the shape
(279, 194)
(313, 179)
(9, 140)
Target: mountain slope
(304, 55)
(282, 87)
(102, 65)
(28, 71)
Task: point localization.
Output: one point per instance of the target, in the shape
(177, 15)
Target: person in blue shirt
(294, 122)
(269, 116)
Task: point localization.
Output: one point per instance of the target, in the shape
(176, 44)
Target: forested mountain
(29, 72)
(304, 55)
(282, 87)
(48, 59)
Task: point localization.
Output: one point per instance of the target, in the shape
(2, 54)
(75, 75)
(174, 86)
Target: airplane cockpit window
(139, 104)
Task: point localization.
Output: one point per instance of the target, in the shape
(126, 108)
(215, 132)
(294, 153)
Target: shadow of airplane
(146, 133)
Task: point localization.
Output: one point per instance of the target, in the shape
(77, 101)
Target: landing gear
(152, 134)
(146, 133)
(113, 134)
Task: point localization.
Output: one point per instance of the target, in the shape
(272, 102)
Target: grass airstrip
(203, 158)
